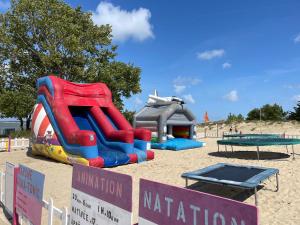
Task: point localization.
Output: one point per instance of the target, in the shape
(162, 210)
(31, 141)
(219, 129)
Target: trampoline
(239, 176)
(259, 142)
(238, 135)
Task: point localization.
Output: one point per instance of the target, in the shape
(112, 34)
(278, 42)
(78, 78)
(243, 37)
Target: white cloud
(291, 86)
(182, 83)
(296, 98)
(189, 98)
(125, 24)
(226, 65)
(4, 5)
(297, 39)
(138, 101)
(210, 54)
(179, 88)
(281, 71)
(185, 80)
(232, 96)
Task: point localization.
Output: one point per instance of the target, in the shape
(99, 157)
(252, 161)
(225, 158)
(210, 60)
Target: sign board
(164, 204)
(9, 187)
(29, 197)
(100, 197)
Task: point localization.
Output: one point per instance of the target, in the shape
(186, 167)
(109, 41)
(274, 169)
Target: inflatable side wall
(78, 123)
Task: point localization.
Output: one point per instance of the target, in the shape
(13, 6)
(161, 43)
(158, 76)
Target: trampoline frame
(250, 136)
(249, 184)
(221, 142)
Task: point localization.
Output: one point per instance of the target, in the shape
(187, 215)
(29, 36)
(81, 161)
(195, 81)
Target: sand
(277, 208)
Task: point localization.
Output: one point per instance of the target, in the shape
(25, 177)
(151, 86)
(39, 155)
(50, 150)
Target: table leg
(257, 152)
(293, 152)
(277, 182)
(231, 148)
(255, 195)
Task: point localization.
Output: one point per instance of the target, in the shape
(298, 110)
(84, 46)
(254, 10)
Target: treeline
(39, 38)
(267, 112)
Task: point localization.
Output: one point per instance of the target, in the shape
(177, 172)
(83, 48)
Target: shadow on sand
(5, 212)
(251, 155)
(233, 193)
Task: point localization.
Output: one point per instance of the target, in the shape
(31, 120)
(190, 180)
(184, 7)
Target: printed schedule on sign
(100, 197)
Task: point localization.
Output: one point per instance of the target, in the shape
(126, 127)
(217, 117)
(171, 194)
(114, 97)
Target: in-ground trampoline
(239, 135)
(259, 142)
(239, 176)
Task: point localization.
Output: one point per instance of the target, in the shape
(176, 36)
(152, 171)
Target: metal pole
(293, 152)
(287, 150)
(231, 148)
(255, 194)
(257, 153)
(186, 182)
(218, 148)
(260, 119)
(277, 182)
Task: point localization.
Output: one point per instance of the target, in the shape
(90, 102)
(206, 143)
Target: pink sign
(29, 194)
(100, 197)
(29, 207)
(164, 204)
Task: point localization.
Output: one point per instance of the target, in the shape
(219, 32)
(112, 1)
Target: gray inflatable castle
(167, 118)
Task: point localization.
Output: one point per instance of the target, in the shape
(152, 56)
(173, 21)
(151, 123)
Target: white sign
(87, 209)
(9, 187)
(100, 197)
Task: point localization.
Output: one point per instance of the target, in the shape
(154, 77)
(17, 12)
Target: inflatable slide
(78, 123)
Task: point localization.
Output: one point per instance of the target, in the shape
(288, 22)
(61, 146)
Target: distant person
(236, 130)
(230, 130)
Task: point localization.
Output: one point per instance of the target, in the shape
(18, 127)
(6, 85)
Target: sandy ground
(278, 208)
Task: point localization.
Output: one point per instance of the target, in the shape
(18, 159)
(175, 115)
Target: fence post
(65, 217)
(9, 143)
(22, 143)
(1, 189)
(1, 143)
(50, 211)
(16, 143)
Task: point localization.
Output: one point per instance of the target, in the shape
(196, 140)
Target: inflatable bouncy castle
(172, 124)
(78, 123)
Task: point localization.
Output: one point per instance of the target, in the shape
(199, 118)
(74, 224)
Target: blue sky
(220, 56)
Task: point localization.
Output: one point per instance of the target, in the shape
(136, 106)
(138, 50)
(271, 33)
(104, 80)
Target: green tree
(38, 38)
(295, 115)
(267, 112)
(254, 114)
(232, 118)
(12, 104)
(129, 115)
